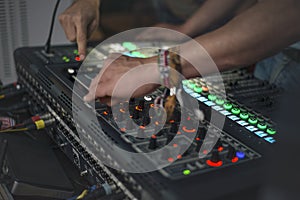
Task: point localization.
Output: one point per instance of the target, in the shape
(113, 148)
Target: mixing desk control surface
(216, 157)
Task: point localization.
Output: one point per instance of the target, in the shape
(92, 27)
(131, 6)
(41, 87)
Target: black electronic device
(32, 169)
(232, 165)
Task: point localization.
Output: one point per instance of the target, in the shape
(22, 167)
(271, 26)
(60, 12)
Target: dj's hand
(132, 73)
(79, 21)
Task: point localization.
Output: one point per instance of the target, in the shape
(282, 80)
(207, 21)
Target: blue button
(240, 155)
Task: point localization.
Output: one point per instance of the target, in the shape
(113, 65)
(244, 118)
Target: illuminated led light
(64, 57)
(175, 145)
(212, 97)
(76, 51)
(172, 121)
(186, 172)
(77, 58)
(142, 127)
(105, 113)
(152, 105)
(67, 60)
(188, 130)
(185, 82)
(227, 106)
(178, 133)
(198, 89)
(220, 149)
(171, 160)
(198, 139)
(244, 116)
(253, 120)
(153, 136)
(191, 84)
(156, 123)
(138, 108)
(271, 131)
(214, 164)
(220, 101)
(205, 152)
(71, 71)
(123, 129)
(148, 98)
(240, 155)
(234, 160)
(235, 111)
(179, 157)
(122, 110)
(205, 89)
(129, 45)
(262, 126)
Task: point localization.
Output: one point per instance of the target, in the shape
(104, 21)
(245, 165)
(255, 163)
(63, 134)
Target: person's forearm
(211, 12)
(261, 31)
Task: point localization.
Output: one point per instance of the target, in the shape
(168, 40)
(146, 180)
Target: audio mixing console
(225, 167)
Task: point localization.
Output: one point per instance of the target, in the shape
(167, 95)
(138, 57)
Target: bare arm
(261, 31)
(213, 12)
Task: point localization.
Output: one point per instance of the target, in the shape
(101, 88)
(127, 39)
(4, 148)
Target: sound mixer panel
(134, 125)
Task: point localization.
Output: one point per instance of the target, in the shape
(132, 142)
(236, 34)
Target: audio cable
(48, 43)
(36, 125)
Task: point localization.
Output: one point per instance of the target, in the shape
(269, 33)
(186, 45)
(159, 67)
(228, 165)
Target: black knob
(198, 146)
(215, 156)
(201, 133)
(135, 114)
(153, 142)
(231, 153)
(146, 120)
(174, 128)
(170, 137)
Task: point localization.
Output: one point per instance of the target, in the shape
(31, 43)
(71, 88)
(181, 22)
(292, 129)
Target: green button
(235, 111)
(130, 46)
(244, 115)
(67, 60)
(262, 126)
(75, 51)
(191, 84)
(227, 106)
(186, 172)
(198, 88)
(212, 97)
(252, 120)
(64, 57)
(185, 82)
(271, 131)
(220, 101)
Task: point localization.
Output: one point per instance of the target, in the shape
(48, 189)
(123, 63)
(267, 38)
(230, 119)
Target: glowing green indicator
(220, 101)
(130, 46)
(191, 84)
(185, 82)
(64, 57)
(244, 115)
(67, 60)
(252, 120)
(262, 126)
(137, 54)
(227, 106)
(198, 88)
(212, 97)
(186, 172)
(271, 131)
(235, 111)
(75, 51)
